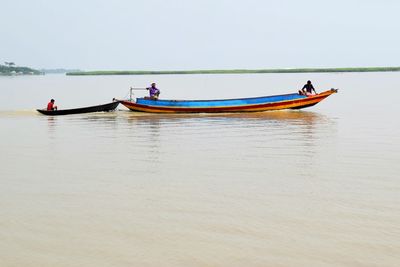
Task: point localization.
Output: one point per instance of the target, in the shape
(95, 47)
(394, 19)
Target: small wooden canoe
(99, 108)
(254, 104)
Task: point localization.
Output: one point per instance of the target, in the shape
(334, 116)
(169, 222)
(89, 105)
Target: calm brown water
(318, 187)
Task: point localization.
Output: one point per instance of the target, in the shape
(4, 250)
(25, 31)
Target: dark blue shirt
(309, 87)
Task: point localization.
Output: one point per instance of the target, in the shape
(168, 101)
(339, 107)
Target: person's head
(308, 82)
(153, 85)
(52, 100)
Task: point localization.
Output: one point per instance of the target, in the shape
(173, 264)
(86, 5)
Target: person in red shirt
(51, 106)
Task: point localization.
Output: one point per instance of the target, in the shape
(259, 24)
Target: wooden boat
(99, 108)
(264, 103)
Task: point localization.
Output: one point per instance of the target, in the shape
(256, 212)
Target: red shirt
(50, 106)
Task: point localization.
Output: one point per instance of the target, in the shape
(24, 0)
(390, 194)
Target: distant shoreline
(13, 70)
(236, 71)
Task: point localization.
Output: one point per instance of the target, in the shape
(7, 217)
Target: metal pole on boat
(130, 96)
(132, 88)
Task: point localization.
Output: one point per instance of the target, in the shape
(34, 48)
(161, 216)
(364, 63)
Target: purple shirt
(153, 91)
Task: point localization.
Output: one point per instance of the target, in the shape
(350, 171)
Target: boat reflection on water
(302, 126)
(287, 116)
(284, 116)
(236, 142)
(51, 123)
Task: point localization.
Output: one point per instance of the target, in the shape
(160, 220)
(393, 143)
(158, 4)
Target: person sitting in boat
(307, 89)
(51, 106)
(154, 92)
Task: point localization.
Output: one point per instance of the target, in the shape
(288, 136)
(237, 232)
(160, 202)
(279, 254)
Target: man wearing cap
(154, 92)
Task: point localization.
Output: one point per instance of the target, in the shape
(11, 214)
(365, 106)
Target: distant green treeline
(15, 70)
(236, 71)
(59, 71)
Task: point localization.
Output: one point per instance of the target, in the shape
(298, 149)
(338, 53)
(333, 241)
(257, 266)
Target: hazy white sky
(199, 34)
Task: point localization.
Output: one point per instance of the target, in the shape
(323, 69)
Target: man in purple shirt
(154, 92)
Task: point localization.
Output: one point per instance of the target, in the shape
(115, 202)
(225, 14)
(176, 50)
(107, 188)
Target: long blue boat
(253, 104)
